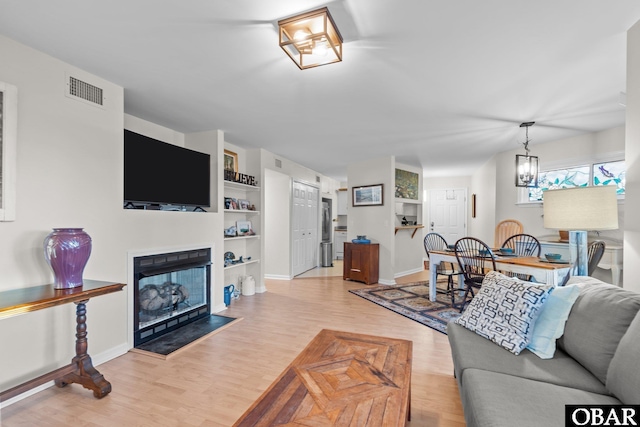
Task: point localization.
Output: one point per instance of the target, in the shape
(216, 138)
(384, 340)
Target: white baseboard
(97, 360)
(386, 282)
(218, 308)
(406, 273)
(276, 277)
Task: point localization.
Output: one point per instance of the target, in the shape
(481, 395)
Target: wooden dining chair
(596, 250)
(505, 229)
(435, 242)
(522, 245)
(472, 264)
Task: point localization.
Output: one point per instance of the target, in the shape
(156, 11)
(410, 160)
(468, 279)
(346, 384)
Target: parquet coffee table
(340, 379)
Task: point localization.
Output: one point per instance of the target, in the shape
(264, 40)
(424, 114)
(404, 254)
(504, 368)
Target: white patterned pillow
(505, 310)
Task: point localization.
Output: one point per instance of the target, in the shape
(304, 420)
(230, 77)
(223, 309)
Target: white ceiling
(439, 84)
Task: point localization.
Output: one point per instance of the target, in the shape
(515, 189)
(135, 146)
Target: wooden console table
(340, 379)
(80, 370)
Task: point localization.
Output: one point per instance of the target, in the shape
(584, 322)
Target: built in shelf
(241, 211)
(415, 228)
(256, 236)
(239, 186)
(240, 264)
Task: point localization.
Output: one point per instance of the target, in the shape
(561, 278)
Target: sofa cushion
(505, 310)
(598, 320)
(623, 378)
(471, 351)
(550, 324)
(493, 399)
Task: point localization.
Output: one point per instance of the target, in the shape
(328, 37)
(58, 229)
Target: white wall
(632, 157)
(483, 185)
(277, 218)
(376, 222)
(70, 173)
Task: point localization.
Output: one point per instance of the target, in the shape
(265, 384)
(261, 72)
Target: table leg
(433, 277)
(615, 275)
(84, 374)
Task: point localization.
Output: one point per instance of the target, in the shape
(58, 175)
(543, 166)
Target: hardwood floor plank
(214, 382)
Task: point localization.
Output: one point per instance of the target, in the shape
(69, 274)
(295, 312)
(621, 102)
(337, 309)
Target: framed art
(243, 204)
(230, 161)
(8, 136)
(407, 185)
(473, 205)
(368, 195)
(243, 228)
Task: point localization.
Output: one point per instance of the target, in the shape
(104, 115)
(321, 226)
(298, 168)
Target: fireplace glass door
(170, 294)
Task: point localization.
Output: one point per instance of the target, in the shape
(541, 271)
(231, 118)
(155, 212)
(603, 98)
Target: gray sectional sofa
(597, 361)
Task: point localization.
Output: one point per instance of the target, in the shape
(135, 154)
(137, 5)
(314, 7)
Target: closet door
(304, 254)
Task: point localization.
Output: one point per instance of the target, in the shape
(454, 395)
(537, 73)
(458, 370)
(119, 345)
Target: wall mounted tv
(158, 174)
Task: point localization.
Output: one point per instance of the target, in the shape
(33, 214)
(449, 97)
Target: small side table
(81, 369)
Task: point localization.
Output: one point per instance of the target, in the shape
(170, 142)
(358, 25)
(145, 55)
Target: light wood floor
(216, 380)
(334, 270)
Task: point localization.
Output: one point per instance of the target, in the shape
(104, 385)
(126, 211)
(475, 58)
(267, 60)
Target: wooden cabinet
(361, 262)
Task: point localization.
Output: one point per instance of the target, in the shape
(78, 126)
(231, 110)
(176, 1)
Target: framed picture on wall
(368, 195)
(407, 185)
(230, 161)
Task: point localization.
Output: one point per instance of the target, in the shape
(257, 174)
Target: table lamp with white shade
(579, 210)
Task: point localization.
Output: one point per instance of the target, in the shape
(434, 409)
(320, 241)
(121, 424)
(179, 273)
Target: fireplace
(170, 291)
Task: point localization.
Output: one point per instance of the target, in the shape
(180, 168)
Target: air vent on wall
(317, 178)
(279, 163)
(83, 91)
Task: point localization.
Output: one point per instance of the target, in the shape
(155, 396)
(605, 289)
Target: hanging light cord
(526, 125)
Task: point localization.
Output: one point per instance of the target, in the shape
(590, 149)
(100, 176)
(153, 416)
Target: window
(560, 178)
(610, 173)
(607, 173)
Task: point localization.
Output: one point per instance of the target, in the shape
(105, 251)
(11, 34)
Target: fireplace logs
(160, 297)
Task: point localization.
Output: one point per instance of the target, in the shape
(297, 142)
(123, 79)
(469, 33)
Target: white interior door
(311, 234)
(448, 213)
(304, 254)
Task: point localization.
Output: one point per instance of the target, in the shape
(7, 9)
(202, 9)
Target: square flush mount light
(311, 39)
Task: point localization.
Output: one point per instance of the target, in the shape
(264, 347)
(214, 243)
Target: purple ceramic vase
(67, 251)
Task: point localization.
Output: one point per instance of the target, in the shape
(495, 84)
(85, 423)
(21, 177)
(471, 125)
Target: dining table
(543, 271)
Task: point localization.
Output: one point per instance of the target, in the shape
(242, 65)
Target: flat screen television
(157, 173)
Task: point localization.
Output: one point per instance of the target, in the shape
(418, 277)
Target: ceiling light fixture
(526, 166)
(311, 39)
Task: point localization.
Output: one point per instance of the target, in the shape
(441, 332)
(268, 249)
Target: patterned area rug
(412, 301)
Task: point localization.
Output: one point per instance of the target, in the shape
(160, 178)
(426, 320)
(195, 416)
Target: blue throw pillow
(550, 324)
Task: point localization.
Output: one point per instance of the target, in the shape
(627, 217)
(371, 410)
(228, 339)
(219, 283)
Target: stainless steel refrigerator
(326, 248)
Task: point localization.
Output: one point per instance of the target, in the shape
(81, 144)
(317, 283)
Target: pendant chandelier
(526, 165)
